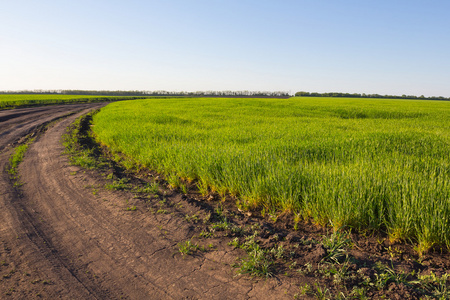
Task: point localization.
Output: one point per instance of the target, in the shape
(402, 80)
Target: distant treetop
(357, 95)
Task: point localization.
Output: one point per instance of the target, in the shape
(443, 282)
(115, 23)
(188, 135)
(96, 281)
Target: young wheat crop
(366, 164)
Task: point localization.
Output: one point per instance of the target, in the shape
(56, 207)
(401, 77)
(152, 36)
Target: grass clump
(258, 261)
(79, 144)
(149, 188)
(118, 185)
(189, 248)
(16, 158)
(438, 287)
(336, 245)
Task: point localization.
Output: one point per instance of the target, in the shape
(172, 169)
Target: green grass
(8, 101)
(78, 144)
(360, 163)
(16, 158)
(258, 262)
(188, 248)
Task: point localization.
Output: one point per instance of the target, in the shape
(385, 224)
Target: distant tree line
(357, 95)
(268, 94)
(278, 94)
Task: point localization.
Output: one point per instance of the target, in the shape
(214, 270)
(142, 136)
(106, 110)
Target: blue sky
(386, 47)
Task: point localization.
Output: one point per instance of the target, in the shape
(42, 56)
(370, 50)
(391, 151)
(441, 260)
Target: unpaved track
(60, 238)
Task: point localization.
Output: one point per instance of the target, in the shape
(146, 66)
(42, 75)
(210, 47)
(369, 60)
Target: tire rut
(34, 269)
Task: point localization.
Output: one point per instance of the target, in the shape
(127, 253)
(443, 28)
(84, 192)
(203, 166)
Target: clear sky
(364, 46)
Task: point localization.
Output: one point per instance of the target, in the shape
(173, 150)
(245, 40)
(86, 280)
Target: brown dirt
(64, 235)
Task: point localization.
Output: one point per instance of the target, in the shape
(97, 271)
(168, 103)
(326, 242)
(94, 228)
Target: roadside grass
(80, 147)
(16, 158)
(376, 165)
(83, 151)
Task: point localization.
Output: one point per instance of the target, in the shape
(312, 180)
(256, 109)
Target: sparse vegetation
(148, 188)
(79, 145)
(131, 208)
(258, 262)
(188, 248)
(119, 184)
(17, 158)
(336, 245)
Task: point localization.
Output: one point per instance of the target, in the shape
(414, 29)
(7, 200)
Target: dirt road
(63, 236)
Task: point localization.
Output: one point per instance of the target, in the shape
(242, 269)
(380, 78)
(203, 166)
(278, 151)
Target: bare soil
(65, 235)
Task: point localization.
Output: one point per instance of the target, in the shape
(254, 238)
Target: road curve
(63, 236)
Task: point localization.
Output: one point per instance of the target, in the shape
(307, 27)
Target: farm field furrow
(367, 164)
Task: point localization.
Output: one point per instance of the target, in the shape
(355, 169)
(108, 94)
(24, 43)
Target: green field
(379, 165)
(8, 101)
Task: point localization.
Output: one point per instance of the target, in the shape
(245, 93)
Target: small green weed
(84, 160)
(305, 289)
(192, 219)
(306, 269)
(187, 248)
(206, 218)
(235, 243)
(277, 252)
(151, 188)
(321, 293)
(220, 226)
(258, 261)
(386, 275)
(118, 185)
(336, 245)
(437, 286)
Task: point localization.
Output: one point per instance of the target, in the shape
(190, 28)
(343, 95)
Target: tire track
(34, 269)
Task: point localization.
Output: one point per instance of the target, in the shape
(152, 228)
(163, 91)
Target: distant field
(360, 163)
(8, 101)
